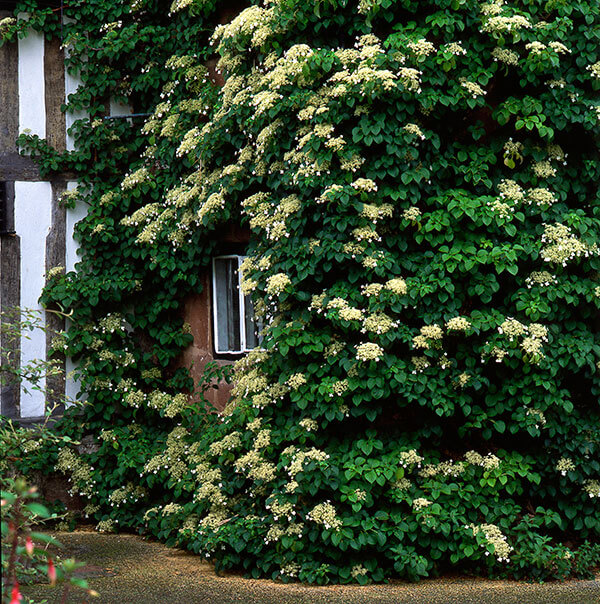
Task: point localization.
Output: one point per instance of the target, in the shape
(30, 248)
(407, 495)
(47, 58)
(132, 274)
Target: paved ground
(125, 569)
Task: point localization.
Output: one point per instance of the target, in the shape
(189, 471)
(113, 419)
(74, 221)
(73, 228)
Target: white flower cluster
(414, 130)
(375, 213)
(491, 8)
(535, 48)
(6, 24)
(296, 380)
(254, 21)
(494, 536)
(308, 424)
(512, 328)
(444, 468)
(410, 78)
(592, 488)
(277, 284)
(488, 462)
(397, 286)
(371, 289)
(229, 442)
(421, 47)
(472, 88)
(300, 457)
(421, 503)
(358, 571)
(420, 364)
(290, 570)
(454, 48)
(106, 526)
(429, 336)
(55, 272)
(562, 246)
(367, 233)
(132, 180)
(360, 495)
(540, 197)
(498, 25)
(364, 184)
(409, 458)
(189, 142)
(126, 494)
(506, 56)
(276, 531)
(80, 473)
(559, 48)
(537, 415)
(458, 324)
(594, 70)
(511, 190)
(412, 214)
(462, 380)
(564, 465)
(369, 351)
(378, 323)
(326, 515)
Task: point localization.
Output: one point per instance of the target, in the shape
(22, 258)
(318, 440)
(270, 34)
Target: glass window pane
(251, 325)
(227, 301)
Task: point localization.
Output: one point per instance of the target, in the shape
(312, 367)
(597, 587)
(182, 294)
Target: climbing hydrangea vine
(420, 180)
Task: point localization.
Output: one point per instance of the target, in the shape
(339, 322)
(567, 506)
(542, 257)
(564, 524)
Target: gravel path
(126, 569)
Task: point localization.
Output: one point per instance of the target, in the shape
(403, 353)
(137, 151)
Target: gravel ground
(126, 569)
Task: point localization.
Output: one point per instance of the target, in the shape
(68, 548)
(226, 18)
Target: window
(235, 328)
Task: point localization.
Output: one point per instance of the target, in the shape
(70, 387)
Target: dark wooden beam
(54, 80)
(16, 167)
(56, 256)
(10, 297)
(9, 96)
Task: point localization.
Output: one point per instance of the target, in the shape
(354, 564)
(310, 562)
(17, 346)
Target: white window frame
(242, 307)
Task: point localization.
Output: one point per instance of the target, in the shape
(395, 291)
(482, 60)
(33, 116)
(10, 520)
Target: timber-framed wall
(37, 232)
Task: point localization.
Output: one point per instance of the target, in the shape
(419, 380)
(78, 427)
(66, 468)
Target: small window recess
(235, 330)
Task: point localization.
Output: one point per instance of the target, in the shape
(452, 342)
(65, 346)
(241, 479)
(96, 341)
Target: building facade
(36, 231)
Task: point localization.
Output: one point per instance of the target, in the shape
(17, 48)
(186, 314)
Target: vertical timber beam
(55, 257)
(9, 242)
(9, 94)
(54, 90)
(10, 294)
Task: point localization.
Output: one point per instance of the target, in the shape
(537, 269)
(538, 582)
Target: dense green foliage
(420, 178)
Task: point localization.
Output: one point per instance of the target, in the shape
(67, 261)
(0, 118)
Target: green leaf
(38, 509)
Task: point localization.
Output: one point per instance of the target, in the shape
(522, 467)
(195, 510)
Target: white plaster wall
(32, 104)
(74, 215)
(33, 219)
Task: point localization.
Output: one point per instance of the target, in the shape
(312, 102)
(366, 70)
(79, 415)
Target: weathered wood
(15, 167)
(10, 292)
(55, 256)
(7, 190)
(54, 78)
(9, 94)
